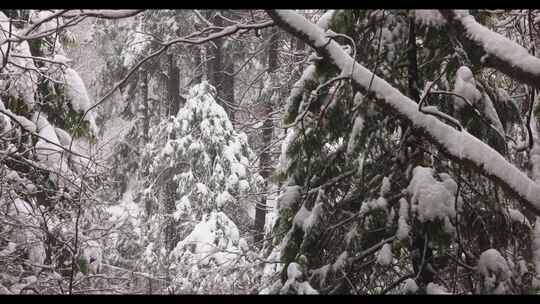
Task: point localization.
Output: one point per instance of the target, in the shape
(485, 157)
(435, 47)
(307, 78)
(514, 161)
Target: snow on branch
(492, 49)
(69, 18)
(457, 145)
(106, 13)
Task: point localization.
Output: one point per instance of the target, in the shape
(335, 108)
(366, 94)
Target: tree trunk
(168, 197)
(146, 113)
(214, 58)
(197, 64)
(299, 54)
(173, 89)
(169, 207)
(268, 128)
(228, 88)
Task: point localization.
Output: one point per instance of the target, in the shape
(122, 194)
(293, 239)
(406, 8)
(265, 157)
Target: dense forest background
(269, 152)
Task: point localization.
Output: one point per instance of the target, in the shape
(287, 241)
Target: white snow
(517, 216)
(283, 158)
(126, 209)
(78, 96)
(309, 75)
(356, 131)
(491, 113)
(294, 275)
(384, 256)
(22, 82)
(223, 198)
(293, 271)
(305, 288)
(167, 149)
(307, 219)
(385, 186)
(23, 121)
(301, 216)
(403, 227)
(76, 90)
(429, 17)
(324, 21)
(492, 263)
(62, 59)
(213, 233)
(93, 253)
(410, 286)
(201, 188)
(28, 237)
(63, 137)
(38, 15)
(341, 261)
(465, 85)
(243, 186)
(432, 199)
(49, 152)
(289, 196)
(435, 289)
(9, 249)
(373, 204)
(25, 85)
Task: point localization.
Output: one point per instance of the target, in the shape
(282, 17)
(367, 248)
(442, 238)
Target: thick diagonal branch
(459, 146)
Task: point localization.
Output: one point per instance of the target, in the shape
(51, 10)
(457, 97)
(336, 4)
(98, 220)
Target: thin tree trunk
(169, 208)
(268, 128)
(173, 89)
(299, 49)
(214, 62)
(197, 64)
(224, 68)
(168, 197)
(228, 88)
(146, 113)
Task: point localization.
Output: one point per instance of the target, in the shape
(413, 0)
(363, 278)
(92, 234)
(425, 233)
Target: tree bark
(146, 112)
(214, 57)
(169, 208)
(228, 88)
(265, 161)
(220, 67)
(298, 54)
(197, 64)
(173, 90)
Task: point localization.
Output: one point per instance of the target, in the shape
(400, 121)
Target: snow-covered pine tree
(210, 162)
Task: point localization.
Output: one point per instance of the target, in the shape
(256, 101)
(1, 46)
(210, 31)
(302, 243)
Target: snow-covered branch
(459, 146)
(106, 14)
(73, 18)
(492, 49)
